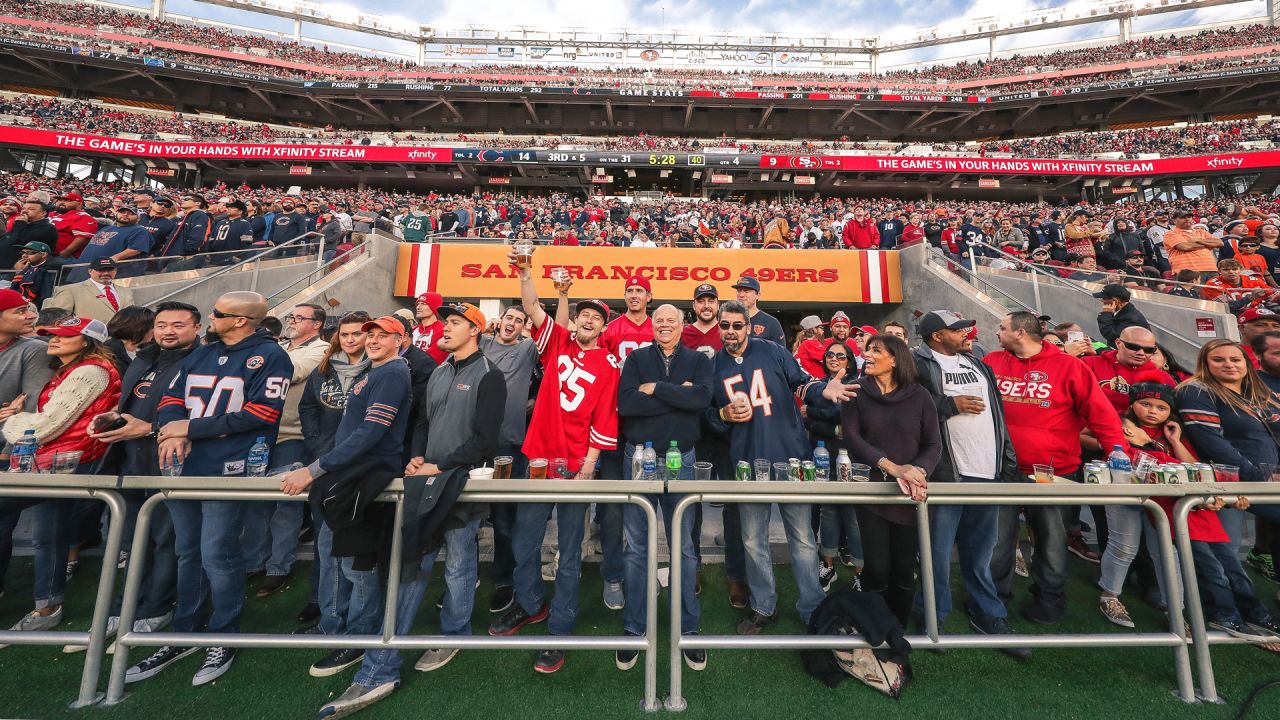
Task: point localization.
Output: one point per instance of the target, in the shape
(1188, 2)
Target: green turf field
(1103, 683)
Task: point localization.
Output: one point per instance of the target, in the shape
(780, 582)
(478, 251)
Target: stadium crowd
(78, 116)
(1006, 73)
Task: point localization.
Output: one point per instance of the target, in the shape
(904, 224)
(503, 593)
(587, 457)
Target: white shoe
(355, 698)
(113, 626)
(146, 625)
(35, 622)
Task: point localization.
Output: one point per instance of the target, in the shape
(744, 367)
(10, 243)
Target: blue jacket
(232, 396)
(189, 236)
(1224, 435)
(769, 375)
(373, 425)
(674, 410)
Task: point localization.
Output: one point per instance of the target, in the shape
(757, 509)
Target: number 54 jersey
(769, 376)
(232, 395)
(577, 404)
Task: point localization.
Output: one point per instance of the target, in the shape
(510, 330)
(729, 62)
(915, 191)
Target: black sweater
(674, 410)
(901, 426)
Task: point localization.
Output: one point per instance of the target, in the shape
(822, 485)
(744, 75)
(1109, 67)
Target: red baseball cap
(10, 299)
(73, 326)
(1257, 313)
(73, 196)
(868, 329)
(433, 300)
(597, 305)
(839, 318)
(637, 281)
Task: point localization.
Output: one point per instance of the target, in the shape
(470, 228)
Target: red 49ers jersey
(621, 336)
(577, 403)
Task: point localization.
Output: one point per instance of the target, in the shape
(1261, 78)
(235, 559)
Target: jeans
(636, 530)
(797, 521)
(160, 575)
(210, 559)
(1048, 565)
(350, 600)
(1225, 590)
(972, 529)
(716, 450)
(51, 541)
(609, 516)
(839, 522)
(271, 528)
(1127, 525)
(503, 516)
(889, 564)
(531, 526)
(8, 523)
(461, 568)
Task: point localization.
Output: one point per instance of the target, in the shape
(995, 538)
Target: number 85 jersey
(232, 395)
(577, 403)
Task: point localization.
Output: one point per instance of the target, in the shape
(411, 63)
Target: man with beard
(516, 356)
(75, 226)
(702, 334)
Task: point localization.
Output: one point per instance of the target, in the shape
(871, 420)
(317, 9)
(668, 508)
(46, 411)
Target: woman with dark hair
(838, 523)
(892, 426)
(1166, 362)
(84, 384)
(129, 329)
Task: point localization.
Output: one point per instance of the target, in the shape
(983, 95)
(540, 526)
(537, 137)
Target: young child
(1226, 592)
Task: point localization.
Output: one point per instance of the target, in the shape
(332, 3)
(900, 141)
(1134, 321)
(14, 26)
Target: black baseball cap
(706, 290)
(937, 320)
(1114, 291)
(102, 263)
(746, 282)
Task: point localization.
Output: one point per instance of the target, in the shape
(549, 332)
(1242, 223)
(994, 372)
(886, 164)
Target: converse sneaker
(826, 575)
(335, 662)
(35, 622)
(355, 698)
(113, 625)
(435, 659)
(217, 661)
(162, 658)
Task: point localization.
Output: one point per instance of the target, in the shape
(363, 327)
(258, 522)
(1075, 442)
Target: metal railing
(138, 267)
(338, 261)
(940, 494)
(942, 261)
(477, 491)
(257, 259)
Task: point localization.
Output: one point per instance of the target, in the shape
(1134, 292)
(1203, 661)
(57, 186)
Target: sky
(844, 17)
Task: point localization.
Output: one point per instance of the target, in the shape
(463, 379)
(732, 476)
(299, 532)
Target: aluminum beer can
(808, 471)
(743, 471)
(795, 473)
(1204, 473)
(1097, 473)
(1178, 474)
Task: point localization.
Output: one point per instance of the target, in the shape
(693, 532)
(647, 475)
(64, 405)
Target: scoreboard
(632, 158)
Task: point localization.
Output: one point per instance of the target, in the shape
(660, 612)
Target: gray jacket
(931, 379)
(24, 368)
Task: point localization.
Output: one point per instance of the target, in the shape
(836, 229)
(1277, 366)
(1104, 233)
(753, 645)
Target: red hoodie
(1115, 378)
(810, 356)
(860, 235)
(1048, 399)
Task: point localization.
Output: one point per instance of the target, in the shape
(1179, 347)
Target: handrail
(310, 277)
(125, 265)
(973, 278)
(1071, 284)
(241, 264)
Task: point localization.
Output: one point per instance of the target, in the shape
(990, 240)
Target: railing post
(1173, 599)
(675, 701)
(129, 604)
(89, 694)
(1199, 633)
(926, 573)
(651, 631)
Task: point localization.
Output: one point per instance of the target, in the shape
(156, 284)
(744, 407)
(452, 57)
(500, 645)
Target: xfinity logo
(1220, 162)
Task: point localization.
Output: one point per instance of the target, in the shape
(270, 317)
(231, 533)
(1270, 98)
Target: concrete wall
(1170, 317)
(927, 287)
(365, 283)
(271, 275)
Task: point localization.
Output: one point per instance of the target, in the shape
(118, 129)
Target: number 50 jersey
(232, 396)
(577, 404)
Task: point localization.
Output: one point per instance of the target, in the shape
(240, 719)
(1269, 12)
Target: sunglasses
(1148, 349)
(836, 356)
(726, 325)
(223, 315)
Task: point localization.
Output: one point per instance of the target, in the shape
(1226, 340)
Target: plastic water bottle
(259, 456)
(675, 461)
(844, 466)
(1121, 468)
(649, 462)
(821, 462)
(637, 463)
(23, 457)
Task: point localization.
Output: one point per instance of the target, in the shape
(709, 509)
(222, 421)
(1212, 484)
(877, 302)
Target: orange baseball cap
(467, 311)
(386, 323)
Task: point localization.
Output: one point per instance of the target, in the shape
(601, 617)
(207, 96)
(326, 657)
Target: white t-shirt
(972, 437)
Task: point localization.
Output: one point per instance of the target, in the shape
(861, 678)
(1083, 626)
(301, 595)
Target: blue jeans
(461, 568)
(797, 520)
(503, 517)
(51, 541)
(973, 529)
(271, 528)
(636, 530)
(210, 559)
(1225, 590)
(160, 575)
(837, 522)
(609, 516)
(531, 526)
(350, 600)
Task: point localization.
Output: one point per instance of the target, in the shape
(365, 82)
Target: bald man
(228, 394)
(664, 390)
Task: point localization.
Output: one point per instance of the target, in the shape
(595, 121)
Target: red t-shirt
(708, 343)
(577, 404)
(621, 336)
(426, 338)
(73, 226)
(1202, 525)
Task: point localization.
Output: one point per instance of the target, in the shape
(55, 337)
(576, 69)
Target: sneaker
(1267, 626)
(1043, 614)
(146, 625)
(355, 698)
(162, 658)
(695, 659)
(998, 626)
(856, 585)
(502, 599)
(308, 614)
(72, 567)
(217, 661)
(754, 622)
(548, 661)
(510, 622)
(1235, 628)
(613, 597)
(846, 557)
(35, 622)
(826, 575)
(1114, 610)
(435, 659)
(1262, 563)
(123, 560)
(549, 569)
(1077, 546)
(1020, 567)
(113, 625)
(309, 630)
(626, 659)
(335, 662)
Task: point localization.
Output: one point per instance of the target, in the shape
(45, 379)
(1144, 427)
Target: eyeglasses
(726, 325)
(223, 315)
(1148, 349)
(836, 356)
(298, 318)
